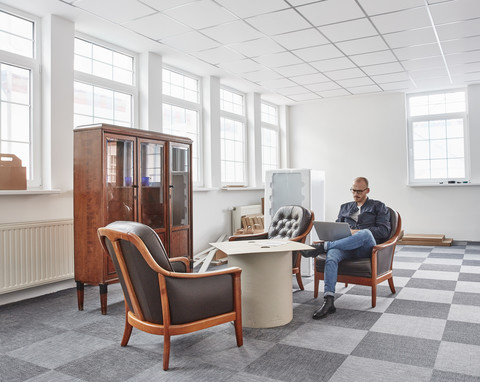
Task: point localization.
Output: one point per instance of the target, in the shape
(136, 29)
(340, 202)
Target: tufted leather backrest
(289, 222)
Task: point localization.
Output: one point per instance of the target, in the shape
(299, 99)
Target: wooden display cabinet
(128, 174)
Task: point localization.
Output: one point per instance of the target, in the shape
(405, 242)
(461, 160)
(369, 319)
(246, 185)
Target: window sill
(442, 184)
(242, 188)
(31, 191)
(204, 189)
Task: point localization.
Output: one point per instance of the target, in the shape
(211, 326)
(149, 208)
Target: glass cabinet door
(152, 199)
(179, 184)
(120, 179)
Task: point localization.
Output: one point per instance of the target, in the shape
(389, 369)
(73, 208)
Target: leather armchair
(161, 295)
(289, 222)
(366, 271)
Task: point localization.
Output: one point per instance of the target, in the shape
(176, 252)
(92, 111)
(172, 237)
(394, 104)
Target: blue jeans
(358, 245)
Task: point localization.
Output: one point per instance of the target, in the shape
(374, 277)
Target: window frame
(189, 105)
(434, 117)
(115, 86)
(237, 118)
(33, 64)
(269, 126)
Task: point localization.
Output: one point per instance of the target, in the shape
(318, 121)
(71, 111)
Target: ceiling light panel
(329, 12)
(201, 14)
(247, 8)
(362, 45)
(375, 7)
(349, 30)
(279, 22)
(401, 21)
(236, 31)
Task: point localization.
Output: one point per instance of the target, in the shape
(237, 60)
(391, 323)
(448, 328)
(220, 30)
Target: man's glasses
(358, 191)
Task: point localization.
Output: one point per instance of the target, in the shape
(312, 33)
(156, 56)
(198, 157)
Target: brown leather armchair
(289, 222)
(366, 271)
(161, 296)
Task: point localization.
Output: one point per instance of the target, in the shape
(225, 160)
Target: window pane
(15, 84)
(437, 129)
(455, 128)
(439, 168)
(421, 150)
(422, 169)
(180, 86)
(231, 102)
(456, 168)
(420, 131)
(15, 122)
(16, 35)
(456, 148)
(438, 149)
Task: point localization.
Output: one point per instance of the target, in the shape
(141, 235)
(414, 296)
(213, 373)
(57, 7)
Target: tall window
(20, 93)
(181, 112)
(104, 85)
(437, 125)
(270, 135)
(233, 137)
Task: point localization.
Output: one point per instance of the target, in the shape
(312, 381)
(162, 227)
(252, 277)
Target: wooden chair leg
(128, 328)
(374, 295)
(299, 281)
(315, 285)
(390, 283)
(166, 351)
(238, 332)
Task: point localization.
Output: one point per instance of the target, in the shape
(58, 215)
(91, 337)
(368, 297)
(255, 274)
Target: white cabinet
(303, 187)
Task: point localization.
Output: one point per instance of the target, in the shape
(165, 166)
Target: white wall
(366, 136)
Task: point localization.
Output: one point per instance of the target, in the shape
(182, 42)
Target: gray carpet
(428, 331)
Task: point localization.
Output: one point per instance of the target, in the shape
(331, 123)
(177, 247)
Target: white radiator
(35, 253)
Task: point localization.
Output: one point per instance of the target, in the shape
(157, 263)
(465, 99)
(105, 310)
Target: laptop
(330, 231)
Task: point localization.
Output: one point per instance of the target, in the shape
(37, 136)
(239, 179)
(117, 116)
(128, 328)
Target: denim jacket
(374, 216)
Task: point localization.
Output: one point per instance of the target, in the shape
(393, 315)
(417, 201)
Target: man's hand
(354, 231)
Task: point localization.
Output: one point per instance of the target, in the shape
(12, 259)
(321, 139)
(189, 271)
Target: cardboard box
(12, 175)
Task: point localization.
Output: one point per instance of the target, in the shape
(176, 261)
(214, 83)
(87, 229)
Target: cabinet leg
(80, 294)
(103, 297)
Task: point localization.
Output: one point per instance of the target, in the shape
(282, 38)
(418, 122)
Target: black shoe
(319, 249)
(326, 309)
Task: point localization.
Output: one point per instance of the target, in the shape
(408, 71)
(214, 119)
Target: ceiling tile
(300, 2)
(374, 7)
(430, 62)
(305, 97)
(419, 51)
(110, 10)
(401, 85)
(295, 70)
(156, 26)
(463, 45)
(261, 75)
(459, 29)
(292, 90)
(279, 22)
(458, 10)
(278, 59)
(236, 31)
(365, 89)
(362, 45)
(257, 47)
(217, 55)
(317, 53)
(190, 42)
(323, 86)
(329, 12)
(334, 93)
(418, 75)
(301, 39)
(247, 8)
(381, 57)
(392, 67)
(361, 81)
(393, 77)
(402, 20)
(241, 66)
(345, 74)
(349, 30)
(465, 68)
(277, 84)
(463, 58)
(433, 83)
(200, 14)
(310, 79)
(333, 64)
(161, 5)
(412, 37)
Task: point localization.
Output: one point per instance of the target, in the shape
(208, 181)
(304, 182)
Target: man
(369, 222)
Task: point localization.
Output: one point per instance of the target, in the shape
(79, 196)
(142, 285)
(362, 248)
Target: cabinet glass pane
(151, 184)
(179, 184)
(119, 179)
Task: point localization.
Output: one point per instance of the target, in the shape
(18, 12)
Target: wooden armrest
(232, 270)
(254, 236)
